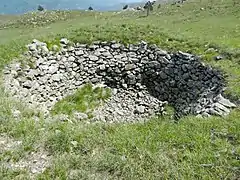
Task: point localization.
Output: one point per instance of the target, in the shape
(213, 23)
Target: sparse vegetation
(159, 149)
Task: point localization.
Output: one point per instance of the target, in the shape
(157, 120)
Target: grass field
(158, 149)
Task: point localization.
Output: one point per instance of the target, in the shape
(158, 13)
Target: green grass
(157, 149)
(153, 150)
(84, 100)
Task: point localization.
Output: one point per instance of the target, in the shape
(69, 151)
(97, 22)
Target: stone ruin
(143, 79)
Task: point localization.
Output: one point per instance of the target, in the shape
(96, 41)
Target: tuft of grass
(85, 99)
(52, 43)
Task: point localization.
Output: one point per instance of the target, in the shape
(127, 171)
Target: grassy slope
(154, 150)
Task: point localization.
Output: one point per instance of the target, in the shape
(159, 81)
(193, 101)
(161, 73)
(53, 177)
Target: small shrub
(40, 8)
(125, 7)
(90, 8)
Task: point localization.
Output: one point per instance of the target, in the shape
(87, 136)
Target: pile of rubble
(143, 76)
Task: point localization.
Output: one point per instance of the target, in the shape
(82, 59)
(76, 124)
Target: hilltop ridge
(23, 6)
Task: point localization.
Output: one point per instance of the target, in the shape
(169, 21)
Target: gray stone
(94, 80)
(101, 50)
(64, 41)
(32, 47)
(43, 67)
(44, 49)
(221, 107)
(27, 84)
(161, 52)
(131, 79)
(93, 47)
(205, 114)
(114, 91)
(125, 86)
(140, 109)
(93, 58)
(185, 54)
(53, 69)
(116, 46)
(225, 102)
(107, 54)
(56, 77)
(71, 58)
(163, 75)
(15, 83)
(102, 67)
(80, 116)
(129, 67)
(71, 49)
(217, 58)
(79, 52)
(33, 73)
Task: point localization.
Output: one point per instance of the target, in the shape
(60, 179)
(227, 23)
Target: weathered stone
(15, 83)
(125, 86)
(79, 52)
(32, 47)
(53, 69)
(161, 52)
(129, 67)
(217, 58)
(163, 75)
(44, 49)
(116, 46)
(94, 80)
(93, 58)
(101, 50)
(102, 67)
(225, 102)
(56, 77)
(140, 109)
(131, 79)
(64, 41)
(71, 59)
(27, 84)
(70, 49)
(80, 116)
(221, 107)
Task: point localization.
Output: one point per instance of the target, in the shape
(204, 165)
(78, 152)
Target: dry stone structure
(143, 78)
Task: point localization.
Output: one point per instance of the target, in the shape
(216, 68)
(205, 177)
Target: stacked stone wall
(179, 78)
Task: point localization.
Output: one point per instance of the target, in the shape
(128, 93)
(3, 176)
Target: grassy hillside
(158, 149)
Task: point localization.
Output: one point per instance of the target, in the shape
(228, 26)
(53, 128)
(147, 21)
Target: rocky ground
(35, 162)
(129, 106)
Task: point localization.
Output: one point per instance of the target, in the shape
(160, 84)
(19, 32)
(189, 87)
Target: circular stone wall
(151, 74)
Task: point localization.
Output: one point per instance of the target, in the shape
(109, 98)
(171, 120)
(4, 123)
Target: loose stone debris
(143, 79)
